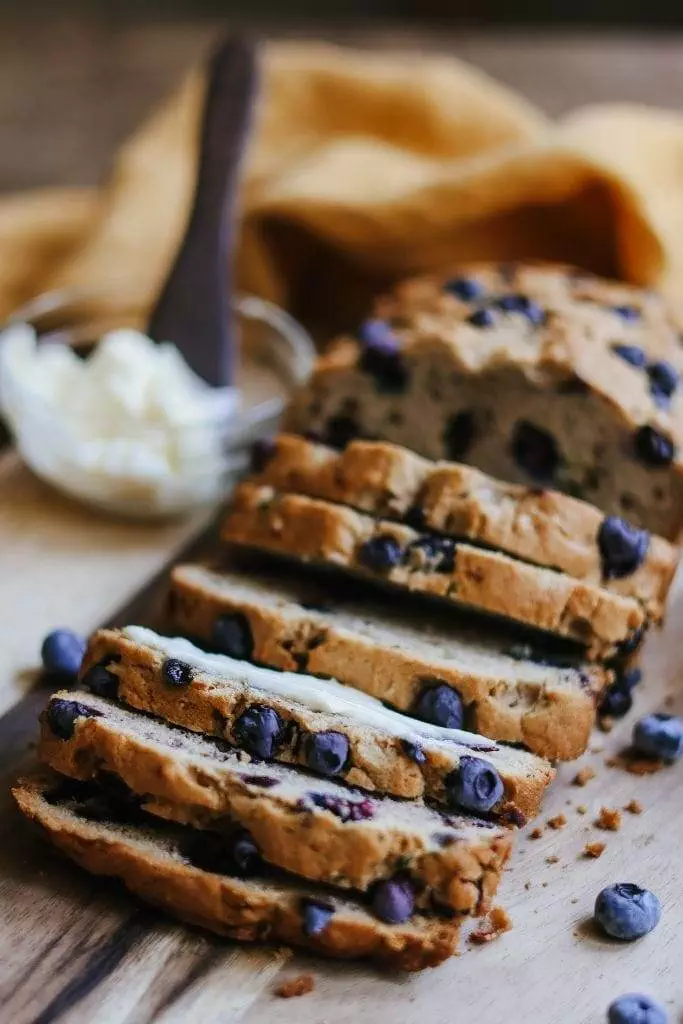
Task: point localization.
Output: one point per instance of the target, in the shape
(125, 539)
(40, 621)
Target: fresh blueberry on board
(623, 548)
(259, 731)
(231, 634)
(653, 447)
(62, 652)
(176, 673)
(441, 705)
(393, 900)
(381, 553)
(62, 716)
(327, 752)
(467, 289)
(636, 1009)
(316, 917)
(659, 735)
(632, 354)
(100, 681)
(625, 911)
(474, 784)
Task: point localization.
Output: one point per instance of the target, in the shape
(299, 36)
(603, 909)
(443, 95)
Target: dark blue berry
(414, 751)
(524, 305)
(535, 451)
(441, 705)
(381, 553)
(262, 452)
(439, 551)
(381, 357)
(176, 673)
(636, 1009)
(623, 548)
(632, 354)
(415, 517)
(663, 380)
(101, 681)
(327, 752)
(235, 854)
(616, 702)
(344, 808)
(62, 652)
(631, 643)
(264, 781)
(482, 318)
(393, 901)
(458, 435)
(625, 911)
(628, 313)
(259, 731)
(659, 736)
(244, 853)
(376, 334)
(339, 430)
(474, 784)
(653, 447)
(465, 288)
(231, 634)
(316, 917)
(62, 716)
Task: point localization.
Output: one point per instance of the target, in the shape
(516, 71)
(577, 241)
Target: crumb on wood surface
(581, 809)
(552, 859)
(635, 764)
(536, 833)
(559, 821)
(583, 776)
(594, 849)
(495, 924)
(301, 985)
(634, 806)
(609, 819)
(527, 885)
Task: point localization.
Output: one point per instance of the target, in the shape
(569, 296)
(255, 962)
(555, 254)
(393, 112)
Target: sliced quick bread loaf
(404, 657)
(320, 724)
(312, 827)
(162, 863)
(539, 526)
(334, 536)
(540, 375)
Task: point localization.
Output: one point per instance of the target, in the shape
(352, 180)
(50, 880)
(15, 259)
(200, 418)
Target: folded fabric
(364, 167)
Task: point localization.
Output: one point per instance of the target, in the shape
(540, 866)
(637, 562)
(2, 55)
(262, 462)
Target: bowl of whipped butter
(110, 417)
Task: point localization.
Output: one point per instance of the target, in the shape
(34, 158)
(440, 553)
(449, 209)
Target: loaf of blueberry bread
(312, 827)
(540, 526)
(219, 883)
(328, 728)
(417, 660)
(475, 579)
(540, 375)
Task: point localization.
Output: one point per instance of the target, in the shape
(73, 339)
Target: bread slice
(320, 724)
(316, 828)
(159, 862)
(334, 536)
(540, 526)
(540, 375)
(395, 656)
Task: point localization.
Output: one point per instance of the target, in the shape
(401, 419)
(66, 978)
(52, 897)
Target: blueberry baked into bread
(422, 661)
(540, 375)
(330, 729)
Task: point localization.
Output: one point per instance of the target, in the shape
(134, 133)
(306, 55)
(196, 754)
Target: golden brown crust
(378, 761)
(548, 710)
(247, 910)
(539, 526)
(311, 530)
(183, 779)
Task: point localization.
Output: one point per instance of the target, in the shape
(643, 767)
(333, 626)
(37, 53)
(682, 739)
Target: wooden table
(74, 949)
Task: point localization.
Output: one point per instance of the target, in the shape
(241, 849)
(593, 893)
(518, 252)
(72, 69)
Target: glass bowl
(164, 469)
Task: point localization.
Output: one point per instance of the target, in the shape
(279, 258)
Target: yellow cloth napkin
(361, 168)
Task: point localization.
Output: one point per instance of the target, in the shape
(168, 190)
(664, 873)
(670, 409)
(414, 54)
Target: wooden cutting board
(76, 949)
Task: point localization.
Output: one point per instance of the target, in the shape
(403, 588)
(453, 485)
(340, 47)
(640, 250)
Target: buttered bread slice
(322, 725)
(417, 660)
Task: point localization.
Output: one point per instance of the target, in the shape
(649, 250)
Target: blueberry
(663, 379)
(636, 1009)
(414, 751)
(235, 854)
(632, 354)
(393, 900)
(625, 911)
(339, 430)
(327, 752)
(316, 917)
(344, 808)
(62, 652)
(259, 731)
(631, 643)
(244, 853)
(535, 450)
(376, 334)
(524, 305)
(474, 784)
(465, 288)
(380, 553)
(628, 313)
(441, 705)
(482, 318)
(623, 548)
(440, 552)
(458, 435)
(176, 673)
(618, 699)
(231, 634)
(653, 447)
(62, 715)
(101, 681)
(381, 357)
(262, 452)
(659, 736)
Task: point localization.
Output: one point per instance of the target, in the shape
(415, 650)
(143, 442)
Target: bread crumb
(536, 833)
(559, 821)
(493, 926)
(527, 885)
(605, 723)
(609, 819)
(581, 809)
(583, 776)
(574, 900)
(544, 885)
(594, 849)
(634, 807)
(611, 762)
(553, 859)
(301, 985)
